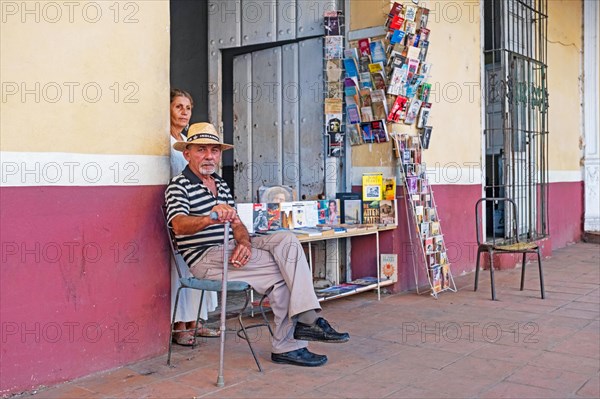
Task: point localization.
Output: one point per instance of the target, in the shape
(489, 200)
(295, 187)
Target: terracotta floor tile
(461, 345)
(591, 389)
(115, 381)
(65, 392)
(567, 362)
(561, 381)
(511, 390)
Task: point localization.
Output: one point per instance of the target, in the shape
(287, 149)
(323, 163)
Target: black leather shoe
(300, 357)
(320, 331)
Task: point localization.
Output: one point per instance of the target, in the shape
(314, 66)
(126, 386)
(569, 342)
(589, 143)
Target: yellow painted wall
(62, 54)
(455, 54)
(564, 87)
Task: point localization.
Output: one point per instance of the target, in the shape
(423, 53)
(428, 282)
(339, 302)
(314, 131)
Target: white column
(591, 110)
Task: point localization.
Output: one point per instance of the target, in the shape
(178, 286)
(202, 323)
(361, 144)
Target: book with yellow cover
(372, 186)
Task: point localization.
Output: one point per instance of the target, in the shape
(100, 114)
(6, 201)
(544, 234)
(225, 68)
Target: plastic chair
(503, 247)
(217, 286)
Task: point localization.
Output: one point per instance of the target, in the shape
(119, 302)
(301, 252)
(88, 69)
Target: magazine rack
(425, 223)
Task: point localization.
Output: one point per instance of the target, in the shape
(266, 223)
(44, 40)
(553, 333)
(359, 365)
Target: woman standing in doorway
(181, 112)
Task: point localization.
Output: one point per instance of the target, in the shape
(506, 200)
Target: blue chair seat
(213, 285)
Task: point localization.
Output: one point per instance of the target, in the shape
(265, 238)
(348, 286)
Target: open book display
(319, 218)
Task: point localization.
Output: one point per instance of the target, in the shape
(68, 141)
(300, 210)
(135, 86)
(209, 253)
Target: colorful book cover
(411, 182)
(413, 111)
(371, 212)
(354, 134)
(389, 267)
(353, 114)
(410, 27)
(435, 228)
(422, 17)
(335, 90)
(274, 216)
(426, 136)
(424, 229)
(379, 131)
(298, 215)
(436, 278)
(351, 67)
(333, 106)
(428, 245)
(387, 212)
(366, 114)
(332, 25)
(311, 213)
(424, 115)
(287, 215)
(397, 23)
(334, 47)
(424, 92)
(424, 47)
(333, 70)
(371, 186)
(378, 53)
(364, 47)
(446, 276)
(352, 211)
(389, 188)
(397, 36)
(333, 213)
(410, 12)
(414, 53)
(398, 109)
(366, 133)
(260, 221)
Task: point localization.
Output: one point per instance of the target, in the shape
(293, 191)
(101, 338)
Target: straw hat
(201, 133)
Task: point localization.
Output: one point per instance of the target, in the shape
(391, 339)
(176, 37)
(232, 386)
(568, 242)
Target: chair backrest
(500, 206)
(179, 262)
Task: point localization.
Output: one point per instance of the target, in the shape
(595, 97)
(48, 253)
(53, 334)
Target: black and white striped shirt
(186, 195)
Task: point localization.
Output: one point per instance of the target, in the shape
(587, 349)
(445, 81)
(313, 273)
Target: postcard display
(333, 54)
(385, 83)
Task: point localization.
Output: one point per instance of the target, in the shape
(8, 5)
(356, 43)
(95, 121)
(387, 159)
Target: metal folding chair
(223, 287)
(501, 246)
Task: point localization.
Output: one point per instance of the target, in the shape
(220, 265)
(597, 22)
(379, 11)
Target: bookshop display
(345, 216)
(372, 84)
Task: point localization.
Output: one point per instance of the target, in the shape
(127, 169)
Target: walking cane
(220, 379)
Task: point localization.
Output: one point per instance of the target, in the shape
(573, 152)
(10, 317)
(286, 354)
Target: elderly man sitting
(276, 260)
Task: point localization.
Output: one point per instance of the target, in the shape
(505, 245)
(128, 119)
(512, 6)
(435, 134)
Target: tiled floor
(410, 346)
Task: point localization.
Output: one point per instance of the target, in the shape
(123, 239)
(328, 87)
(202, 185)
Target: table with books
(353, 286)
(311, 222)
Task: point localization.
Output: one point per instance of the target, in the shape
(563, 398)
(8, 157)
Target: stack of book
(380, 206)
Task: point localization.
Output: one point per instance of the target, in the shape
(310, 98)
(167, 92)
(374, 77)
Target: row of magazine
(320, 217)
(385, 79)
(425, 216)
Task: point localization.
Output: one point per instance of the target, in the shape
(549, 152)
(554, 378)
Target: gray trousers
(277, 261)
